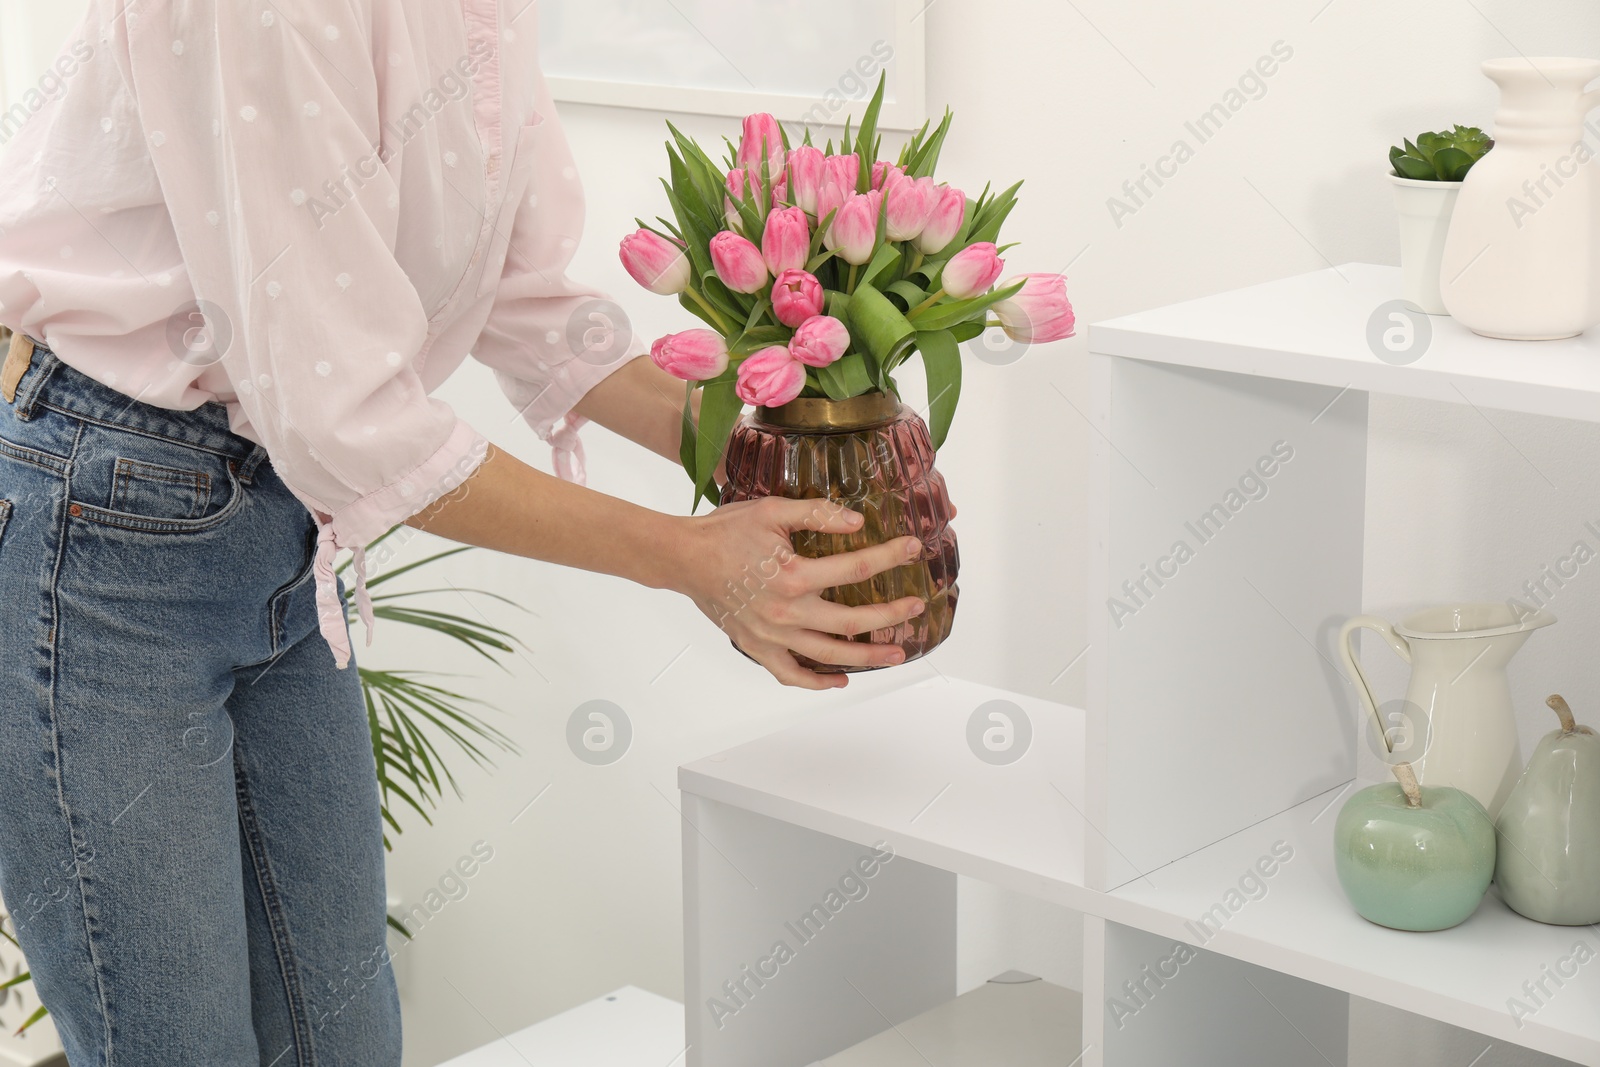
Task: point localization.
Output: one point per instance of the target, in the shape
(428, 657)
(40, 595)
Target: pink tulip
(1040, 312)
(831, 197)
(770, 378)
(807, 167)
(656, 263)
(740, 184)
(738, 263)
(796, 297)
(972, 270)
(820, 341)
(881, 171)
(949, 211)
(909, 204)
(786, 243)
(762, 142)
(854, 233)
(694, 355)
(730, 210)
(845, 169)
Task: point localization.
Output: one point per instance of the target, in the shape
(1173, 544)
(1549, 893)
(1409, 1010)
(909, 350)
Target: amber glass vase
(871, 454)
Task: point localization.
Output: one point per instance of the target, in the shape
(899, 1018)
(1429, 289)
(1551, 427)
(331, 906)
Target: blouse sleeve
(250, 112)
(549, 339)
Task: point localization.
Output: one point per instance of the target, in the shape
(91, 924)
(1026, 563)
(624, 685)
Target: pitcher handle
(1352, 666)
(1589, 101)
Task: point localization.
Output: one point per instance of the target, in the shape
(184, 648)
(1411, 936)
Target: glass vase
(871, 454)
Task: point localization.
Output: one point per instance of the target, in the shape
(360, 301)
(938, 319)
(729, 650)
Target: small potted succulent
(1427, 174)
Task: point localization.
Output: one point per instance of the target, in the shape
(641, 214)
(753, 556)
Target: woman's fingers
(851, 568)
(782, 665)
(825, 649)
(829, 618)
(822, 516)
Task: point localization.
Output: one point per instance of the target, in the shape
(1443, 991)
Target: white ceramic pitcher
(1520, 258)
(1458, 655)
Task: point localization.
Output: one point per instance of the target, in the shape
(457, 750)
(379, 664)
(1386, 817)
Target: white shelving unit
(629, 1027)
(1027, 1024)
(1192, 802)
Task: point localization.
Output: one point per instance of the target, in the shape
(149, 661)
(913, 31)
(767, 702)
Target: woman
(239, 246)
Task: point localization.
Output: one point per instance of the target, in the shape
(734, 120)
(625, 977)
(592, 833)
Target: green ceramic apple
(1549, 829)
(1413, 857)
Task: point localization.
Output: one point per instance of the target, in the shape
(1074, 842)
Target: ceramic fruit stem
(1408, 784)
(1569, 725)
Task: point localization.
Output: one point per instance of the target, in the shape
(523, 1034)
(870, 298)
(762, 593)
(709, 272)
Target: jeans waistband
(53, 384)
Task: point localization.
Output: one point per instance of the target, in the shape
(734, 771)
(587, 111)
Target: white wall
(583, 893)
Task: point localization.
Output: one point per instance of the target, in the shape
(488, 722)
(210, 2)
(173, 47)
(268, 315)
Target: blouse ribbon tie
(330, 609)
(567, 449)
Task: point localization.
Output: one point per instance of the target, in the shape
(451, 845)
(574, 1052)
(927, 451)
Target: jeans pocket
(159, 492)
(192, 491)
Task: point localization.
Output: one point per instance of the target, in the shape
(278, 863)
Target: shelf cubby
(1187, 811)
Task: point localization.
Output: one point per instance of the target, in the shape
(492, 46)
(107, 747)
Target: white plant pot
(1425, 210)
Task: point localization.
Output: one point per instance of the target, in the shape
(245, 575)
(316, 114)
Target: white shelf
(1313, 328)
(864, 774)
(1305, 926)
(627, 1028)
(1031, 1024)
(898, 767)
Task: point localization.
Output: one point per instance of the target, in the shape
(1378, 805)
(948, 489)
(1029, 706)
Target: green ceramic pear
(1548, 832)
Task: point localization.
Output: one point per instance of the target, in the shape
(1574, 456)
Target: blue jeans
(190, 840)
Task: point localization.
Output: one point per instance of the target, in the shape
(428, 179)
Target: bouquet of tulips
(821, 271)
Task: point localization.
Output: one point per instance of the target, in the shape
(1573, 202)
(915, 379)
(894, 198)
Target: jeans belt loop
(19, 357)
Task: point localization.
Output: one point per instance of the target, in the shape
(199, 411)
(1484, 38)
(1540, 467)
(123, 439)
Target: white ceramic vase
(1425, 209)
(1520, 260)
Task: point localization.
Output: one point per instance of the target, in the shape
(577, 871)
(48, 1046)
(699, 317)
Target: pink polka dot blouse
(312, 213)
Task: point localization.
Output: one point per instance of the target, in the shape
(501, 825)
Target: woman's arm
(641, 402)
(737, 564)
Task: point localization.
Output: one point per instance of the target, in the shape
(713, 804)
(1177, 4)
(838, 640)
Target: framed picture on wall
(805, 61)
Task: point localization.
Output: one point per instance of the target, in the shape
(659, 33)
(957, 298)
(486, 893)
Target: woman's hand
(739, 567)
(737, 563)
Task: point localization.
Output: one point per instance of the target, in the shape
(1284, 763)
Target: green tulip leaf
(880, 331)
(924, 158)
(941, 355)
(888, 257)
(754, 340)
(877, 325)
(867, 137)
(912, 293)
(720, 408)
(839, 305)
(986, 223)
(944, 316)
(845, 377)
(687, 437)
